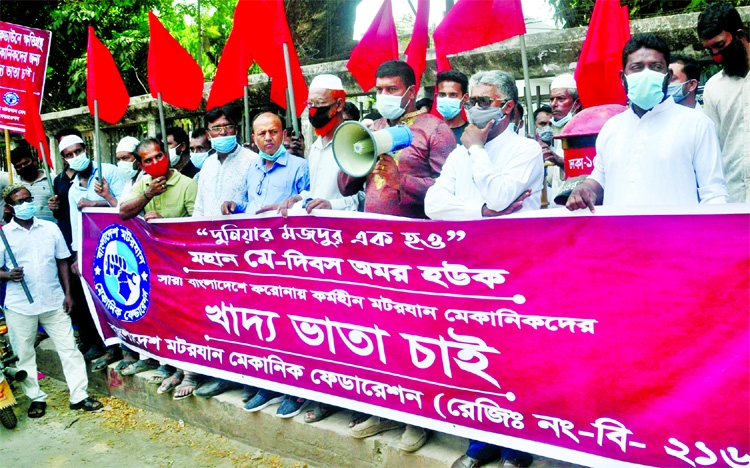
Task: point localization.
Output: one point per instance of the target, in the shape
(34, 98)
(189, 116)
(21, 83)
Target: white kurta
(727, 102)
(220, 182)
(324, 174)
(670, 156)
(508, 165)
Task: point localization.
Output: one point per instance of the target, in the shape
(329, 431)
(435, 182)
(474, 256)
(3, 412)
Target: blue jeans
(484, 451)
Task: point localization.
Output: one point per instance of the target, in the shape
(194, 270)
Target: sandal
(358, 418)
(171, 382)
(87, 404)
(138, 367)
(186, 388)
(162, 373)
(319, 413)
(127, 360)
(108, 358)
(37, 409)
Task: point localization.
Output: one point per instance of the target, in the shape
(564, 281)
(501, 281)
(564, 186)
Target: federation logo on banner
(11, 98)
(121, 274)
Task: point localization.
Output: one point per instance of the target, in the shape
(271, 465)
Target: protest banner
(23, 58)
(604, 340)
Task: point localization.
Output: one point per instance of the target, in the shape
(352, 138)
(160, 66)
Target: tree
(574, 13)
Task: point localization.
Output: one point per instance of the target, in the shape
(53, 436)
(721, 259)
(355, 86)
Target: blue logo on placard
(121, 274)
(10, 98)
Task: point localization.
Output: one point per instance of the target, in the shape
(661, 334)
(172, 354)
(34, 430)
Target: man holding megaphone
(398, 183)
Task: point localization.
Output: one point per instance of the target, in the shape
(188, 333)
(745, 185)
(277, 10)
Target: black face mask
(321, 119)
(734, 58)
(29, 172)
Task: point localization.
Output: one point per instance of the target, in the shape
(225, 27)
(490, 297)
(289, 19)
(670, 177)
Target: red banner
(596, 339)
(23, 59)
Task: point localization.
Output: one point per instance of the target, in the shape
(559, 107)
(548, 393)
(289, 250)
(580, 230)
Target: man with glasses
(495, 169)
(224, 171)
(41, 255)
(727, 94)
(656, 152)
(397, 184)
(326, 101)
(276, 176)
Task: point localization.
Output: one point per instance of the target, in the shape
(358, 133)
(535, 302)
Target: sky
(367, 10)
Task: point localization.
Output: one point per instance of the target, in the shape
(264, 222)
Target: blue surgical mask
(279, 152)
(198, 159)
(646, 88)
(79, 163)
(25, 211)
(225, 144)
(448, 107)
(676, 91)
(126, 169)
(561, 123)
(389, 106)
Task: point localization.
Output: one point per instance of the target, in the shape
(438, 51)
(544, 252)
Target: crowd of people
(473, 161)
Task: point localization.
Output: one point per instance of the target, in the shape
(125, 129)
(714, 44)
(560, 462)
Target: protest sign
(600, 340)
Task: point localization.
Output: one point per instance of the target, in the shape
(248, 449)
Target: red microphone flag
(379, 44)
(598, 72)
(34, 133)
(172, 71)
(416, 51)
(104, 83)
(476, 23)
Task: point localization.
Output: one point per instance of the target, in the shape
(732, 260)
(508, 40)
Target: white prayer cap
(127, 144)
(564, 81)
(332, 82)
(68, 141)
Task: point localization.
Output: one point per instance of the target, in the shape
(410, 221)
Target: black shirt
(62, 184)
(190, 170)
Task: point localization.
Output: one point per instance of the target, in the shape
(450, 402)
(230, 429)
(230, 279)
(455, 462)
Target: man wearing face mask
(224, 171)
(199, 148)
(726, 96)
(565, 104)
(494, 166)
(397, 185)
(129, 168)
(179, 151)
(453, 91)
(325, 100)
(34, 179)
(656, 152)
(686, 74)
(276, 176)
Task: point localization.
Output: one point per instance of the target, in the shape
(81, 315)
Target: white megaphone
(356, 148)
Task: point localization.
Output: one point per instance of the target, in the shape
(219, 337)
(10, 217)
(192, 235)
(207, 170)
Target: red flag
(416, 51)
(598, 71)
(231, 74)
(34, 133)
(172, 71)
(379, 44)
(104, 83)
(476, 23)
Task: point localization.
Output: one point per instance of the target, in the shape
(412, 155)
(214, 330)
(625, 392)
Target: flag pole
(97, 153)
(526, 80)
(291, 89)
(46, 168)
(7, 156)
(15, 265)
(246, 101)
(288, 122)
(162, 124)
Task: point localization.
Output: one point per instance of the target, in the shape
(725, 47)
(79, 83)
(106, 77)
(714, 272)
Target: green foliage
(574, 13)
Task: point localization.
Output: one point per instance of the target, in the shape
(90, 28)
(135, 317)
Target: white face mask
(174, 158)
(198, 159)
(79, 163)
(127, 169)
(389, 106)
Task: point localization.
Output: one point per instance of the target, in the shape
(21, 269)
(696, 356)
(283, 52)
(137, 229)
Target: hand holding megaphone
(387, 168)
(357, 150)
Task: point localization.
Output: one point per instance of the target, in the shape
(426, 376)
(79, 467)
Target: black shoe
(215, 387)
(94, 352)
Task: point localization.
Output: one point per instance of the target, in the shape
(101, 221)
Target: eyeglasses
(313, 104)
(22, 201)
(259, 190)
(483, 101)
(221, 128)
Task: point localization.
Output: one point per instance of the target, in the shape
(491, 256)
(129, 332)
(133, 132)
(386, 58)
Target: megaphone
(17, 375)
(356, 148)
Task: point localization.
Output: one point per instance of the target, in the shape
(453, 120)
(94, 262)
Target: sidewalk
(323, 444)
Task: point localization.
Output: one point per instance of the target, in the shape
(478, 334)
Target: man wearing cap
(397, 185)
(656, 152)
(325, 100)
(565, 104)
(34, 178)
(40, 252)
(129, 168)
(495, 168)
(726, 95)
